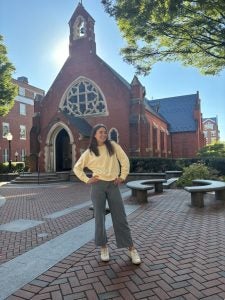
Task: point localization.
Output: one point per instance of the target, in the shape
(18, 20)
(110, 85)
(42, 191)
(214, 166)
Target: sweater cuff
(86, 180)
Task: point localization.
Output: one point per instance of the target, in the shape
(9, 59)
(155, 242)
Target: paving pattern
(182, 248)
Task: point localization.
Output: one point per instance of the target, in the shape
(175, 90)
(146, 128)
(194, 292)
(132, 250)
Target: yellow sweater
(104, 166)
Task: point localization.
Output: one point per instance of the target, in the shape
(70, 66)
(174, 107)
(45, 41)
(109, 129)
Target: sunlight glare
(60, 52)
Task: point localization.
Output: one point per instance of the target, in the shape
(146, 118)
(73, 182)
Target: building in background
(18, 122)
(184, 119)
(88, 91)
(211, 130)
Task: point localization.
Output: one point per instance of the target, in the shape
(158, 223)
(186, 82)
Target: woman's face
(101, 135)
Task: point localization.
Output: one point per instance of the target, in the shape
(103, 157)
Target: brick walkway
(182, 248)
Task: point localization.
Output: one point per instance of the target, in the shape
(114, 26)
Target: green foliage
(195, 171)
(8, 90)
(16, 167)
(4, 168)
(19, 166)
(214, 150)
(148, 165)
(171, 30)
(152, 164)
(216, 164)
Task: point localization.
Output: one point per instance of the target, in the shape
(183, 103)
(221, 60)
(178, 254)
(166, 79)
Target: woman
(102, 158)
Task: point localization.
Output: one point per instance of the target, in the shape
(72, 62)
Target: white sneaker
(133, 254)
(105, 254)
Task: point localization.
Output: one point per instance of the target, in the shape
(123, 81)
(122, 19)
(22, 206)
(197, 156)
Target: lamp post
(9, 139)
(16, 155)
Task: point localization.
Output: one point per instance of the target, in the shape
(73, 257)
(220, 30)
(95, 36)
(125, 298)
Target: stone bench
(172, 174)
(170, 183)
(144, 176)
(202, 186)
(140, 187)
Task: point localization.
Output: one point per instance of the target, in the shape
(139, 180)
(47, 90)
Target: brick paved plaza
(47, 249)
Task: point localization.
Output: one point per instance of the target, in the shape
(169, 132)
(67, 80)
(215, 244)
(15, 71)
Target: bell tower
(82, 36)
(139, 127)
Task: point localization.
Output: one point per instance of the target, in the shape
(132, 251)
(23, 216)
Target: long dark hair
(93, 145)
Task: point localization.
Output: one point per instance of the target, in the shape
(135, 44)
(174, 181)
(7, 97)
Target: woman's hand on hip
(118, 181)
(93, 180)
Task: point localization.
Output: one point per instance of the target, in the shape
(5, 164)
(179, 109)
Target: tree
(214, 150)
(8, 90)
(192, 32)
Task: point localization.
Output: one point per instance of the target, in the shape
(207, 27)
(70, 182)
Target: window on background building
(155, 138)
(5, 129)
(23, 154)
(84, 99)
(208, 125)
(22, 132)
(5, 155)
(162, 143)
(113, 135)
(23, 109)
(79, 28)
(213, 133)
(21, 91)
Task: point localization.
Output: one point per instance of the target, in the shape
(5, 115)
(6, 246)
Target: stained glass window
(84, 99)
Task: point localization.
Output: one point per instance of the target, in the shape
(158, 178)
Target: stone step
(37, 178)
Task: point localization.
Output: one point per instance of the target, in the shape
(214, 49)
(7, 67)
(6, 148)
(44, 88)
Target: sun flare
(60, 52)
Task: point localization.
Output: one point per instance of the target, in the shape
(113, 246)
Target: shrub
(3, 168)
(16, 167)
(216, 163)
(195, 171)
(152, 164)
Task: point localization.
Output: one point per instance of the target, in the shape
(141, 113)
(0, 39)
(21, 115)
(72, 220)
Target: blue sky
(36, 34)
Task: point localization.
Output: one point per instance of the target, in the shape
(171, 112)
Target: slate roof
(177, 111)
(124, 81)
(80, 123)
(153, 111)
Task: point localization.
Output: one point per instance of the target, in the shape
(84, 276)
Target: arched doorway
(63, 151)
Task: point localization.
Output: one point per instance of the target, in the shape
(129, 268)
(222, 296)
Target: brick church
(88, 91)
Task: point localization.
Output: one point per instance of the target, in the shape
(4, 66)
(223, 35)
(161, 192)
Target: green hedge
(18, 166)
(216, 163)
(148, 165)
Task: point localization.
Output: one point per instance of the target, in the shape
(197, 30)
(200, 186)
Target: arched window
(84, 99)
(79, 28)
(114, 135)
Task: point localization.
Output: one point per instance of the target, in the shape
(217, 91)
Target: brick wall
(184, 145)
(116, 94)
(14, 119)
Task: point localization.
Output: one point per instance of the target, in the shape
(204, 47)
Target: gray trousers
(100, 192)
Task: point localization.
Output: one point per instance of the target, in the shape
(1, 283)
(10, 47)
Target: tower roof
(82, 35)
(80, 10)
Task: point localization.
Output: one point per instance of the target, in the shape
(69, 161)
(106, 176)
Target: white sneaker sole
(105, 259)
(135, 263)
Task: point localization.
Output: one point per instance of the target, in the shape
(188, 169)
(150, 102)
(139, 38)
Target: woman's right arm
(79, 166)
